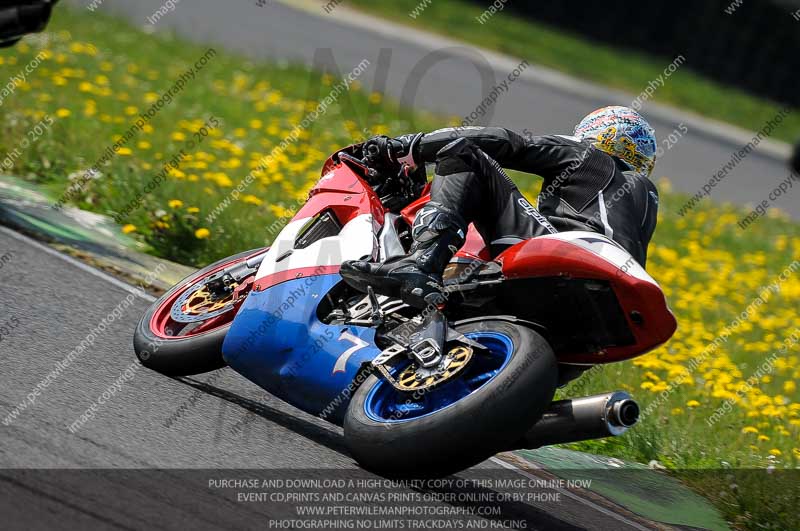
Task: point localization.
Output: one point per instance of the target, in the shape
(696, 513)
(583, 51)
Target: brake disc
(416, 378)
(200, 305)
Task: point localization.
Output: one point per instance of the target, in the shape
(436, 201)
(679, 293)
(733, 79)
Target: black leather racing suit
(584, 188)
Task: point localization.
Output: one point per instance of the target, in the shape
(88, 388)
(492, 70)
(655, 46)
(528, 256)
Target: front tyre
(182, 332)
(487, 408)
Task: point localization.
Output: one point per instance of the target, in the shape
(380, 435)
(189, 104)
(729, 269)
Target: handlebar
(386, 187)
(360, 164)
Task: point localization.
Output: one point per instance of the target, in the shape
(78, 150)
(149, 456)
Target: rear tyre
(167, 347)
(442, 437)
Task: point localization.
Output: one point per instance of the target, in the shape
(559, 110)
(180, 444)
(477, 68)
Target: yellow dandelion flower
(202, 233)
(763, 438)
(775, 452)
(256, 124)
(231, 163)
(124, 151)
(253, 200)
(749, 429)
(127, 229)
(130, 110)
(177, 135)
(175, 203)
(144, 144)
(222, 180)
(63, 113)
(280, 211)
(147, 128)
(375, 97)
(676, 411)
(692, 403)
(192, 210)
(175, 172)
(789, 387)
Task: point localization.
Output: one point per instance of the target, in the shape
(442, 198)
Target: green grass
(593, 61)
(708, 268)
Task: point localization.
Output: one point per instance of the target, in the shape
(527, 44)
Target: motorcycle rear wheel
(459, 424)
(175, 349)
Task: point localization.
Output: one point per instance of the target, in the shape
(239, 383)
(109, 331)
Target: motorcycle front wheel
(503, 391)
(182, 332)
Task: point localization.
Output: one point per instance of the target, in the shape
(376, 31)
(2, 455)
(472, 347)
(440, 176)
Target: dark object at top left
(20, 17)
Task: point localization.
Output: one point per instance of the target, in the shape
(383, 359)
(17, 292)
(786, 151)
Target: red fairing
(409, 213)
(549, 257)
(344, 192)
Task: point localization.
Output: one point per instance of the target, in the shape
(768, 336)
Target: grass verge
(97, 75)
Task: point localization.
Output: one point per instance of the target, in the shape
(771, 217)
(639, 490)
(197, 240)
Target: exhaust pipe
(580, 419)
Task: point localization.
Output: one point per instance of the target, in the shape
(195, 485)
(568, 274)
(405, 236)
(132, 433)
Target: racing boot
(417, 277)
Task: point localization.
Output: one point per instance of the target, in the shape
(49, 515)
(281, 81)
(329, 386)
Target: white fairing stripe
(356, 240)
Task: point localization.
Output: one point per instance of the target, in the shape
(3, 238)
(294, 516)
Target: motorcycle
(418, 391)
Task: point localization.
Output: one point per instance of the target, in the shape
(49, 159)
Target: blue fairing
(277, 342)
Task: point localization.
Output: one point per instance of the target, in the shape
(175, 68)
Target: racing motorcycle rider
(597, 180)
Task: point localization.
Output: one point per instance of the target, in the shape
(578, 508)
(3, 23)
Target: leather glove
(393, 153)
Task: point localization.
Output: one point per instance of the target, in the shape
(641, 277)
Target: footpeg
(427, 353)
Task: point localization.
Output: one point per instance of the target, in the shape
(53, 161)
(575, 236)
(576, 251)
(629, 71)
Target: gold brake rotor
(415, 378)
(202, 302)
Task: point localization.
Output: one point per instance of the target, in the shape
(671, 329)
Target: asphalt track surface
(101, 476)
(452, 84)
